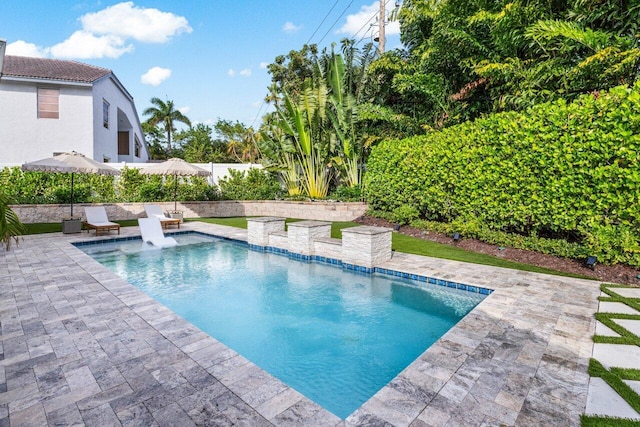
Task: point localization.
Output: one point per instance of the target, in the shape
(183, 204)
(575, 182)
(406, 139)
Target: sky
(208, 57)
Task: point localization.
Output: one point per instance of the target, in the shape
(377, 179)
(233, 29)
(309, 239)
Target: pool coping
(520, 357)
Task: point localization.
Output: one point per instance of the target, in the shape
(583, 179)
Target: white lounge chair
(151, 232)
(155, 211)
(98, 220)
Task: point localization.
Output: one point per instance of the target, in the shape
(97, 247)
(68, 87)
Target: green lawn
(56, 227)
(400, 243)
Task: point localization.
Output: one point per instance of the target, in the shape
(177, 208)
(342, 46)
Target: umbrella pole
(72, 195)
(175, 194)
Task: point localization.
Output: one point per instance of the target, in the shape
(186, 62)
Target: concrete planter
(73, 225)
(176, 215)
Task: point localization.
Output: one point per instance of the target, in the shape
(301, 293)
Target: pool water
(333, 335)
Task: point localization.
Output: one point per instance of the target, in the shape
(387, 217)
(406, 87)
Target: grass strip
(615, 376)
(591, 421)
(625, 337)
(626, 373)
(56, 227)
(615, 382)
(615, 297)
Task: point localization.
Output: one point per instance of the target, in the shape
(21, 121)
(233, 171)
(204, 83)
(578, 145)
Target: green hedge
(43, 187)
(560, 170)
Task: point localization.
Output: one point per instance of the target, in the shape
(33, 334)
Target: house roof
(52, 69)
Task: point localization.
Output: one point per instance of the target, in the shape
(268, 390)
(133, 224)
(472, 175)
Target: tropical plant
(303, 123)
(165, 114)
(343, 117)
(10, 226)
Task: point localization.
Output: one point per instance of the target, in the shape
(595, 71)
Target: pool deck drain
(80, 345)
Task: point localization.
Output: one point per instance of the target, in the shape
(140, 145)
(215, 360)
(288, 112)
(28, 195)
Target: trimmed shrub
(557, 170)
(255, 184)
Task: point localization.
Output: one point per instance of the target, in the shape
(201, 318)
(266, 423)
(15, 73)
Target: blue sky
(208, 57)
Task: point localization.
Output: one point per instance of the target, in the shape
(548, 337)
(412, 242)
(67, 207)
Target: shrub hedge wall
(567, 170)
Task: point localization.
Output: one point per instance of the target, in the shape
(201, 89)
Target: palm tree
(165, 113)
(10, 226)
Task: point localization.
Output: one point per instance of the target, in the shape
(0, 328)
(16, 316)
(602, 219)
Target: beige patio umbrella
(175, 167)
(72, 163)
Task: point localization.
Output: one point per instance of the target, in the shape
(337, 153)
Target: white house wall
(24, 137)
(106, 140)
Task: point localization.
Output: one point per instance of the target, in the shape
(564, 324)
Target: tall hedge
(564, 169)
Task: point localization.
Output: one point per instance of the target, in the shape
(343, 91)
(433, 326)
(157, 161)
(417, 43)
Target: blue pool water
(333, 335)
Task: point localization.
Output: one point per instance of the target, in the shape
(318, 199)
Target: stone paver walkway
(79, 345)
(603, 400)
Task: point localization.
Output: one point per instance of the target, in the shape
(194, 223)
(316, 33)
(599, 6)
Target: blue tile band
(316, 259)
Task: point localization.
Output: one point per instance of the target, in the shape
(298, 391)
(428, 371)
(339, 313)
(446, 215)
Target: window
(137, 146)
(105, 114)
(123, 143)
(48, 103)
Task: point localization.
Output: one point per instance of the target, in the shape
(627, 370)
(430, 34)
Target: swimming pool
(333, 335)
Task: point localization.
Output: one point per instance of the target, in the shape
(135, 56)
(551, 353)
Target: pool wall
(320, 259)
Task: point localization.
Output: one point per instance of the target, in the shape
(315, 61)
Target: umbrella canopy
(72, 163)
(175, 167)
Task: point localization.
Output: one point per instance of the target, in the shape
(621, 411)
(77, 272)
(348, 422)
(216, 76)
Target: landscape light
(591, 262)
(397, 227)
(456, 237)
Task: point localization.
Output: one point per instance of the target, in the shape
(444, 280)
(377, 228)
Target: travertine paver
(605, 331)
(604, 401)
(81, 345)
(616, 307)
(630, 325)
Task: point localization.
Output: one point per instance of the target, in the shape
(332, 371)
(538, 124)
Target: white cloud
(105, 33)
(86, 45)
(22, 48)
(231, 72)
(360, 23)
(290, 27)
(246, 72)
(142, 24)
(155, 76)
(264, 65)
(184, 110)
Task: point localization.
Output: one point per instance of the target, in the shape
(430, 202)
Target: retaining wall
(320, 211)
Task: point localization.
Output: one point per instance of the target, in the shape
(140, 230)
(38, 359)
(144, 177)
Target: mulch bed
(606, 273)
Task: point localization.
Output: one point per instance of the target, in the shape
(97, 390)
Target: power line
(336, 21)
(365, 24)
(323, 19)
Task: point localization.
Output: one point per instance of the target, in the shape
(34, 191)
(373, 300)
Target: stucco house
(50, 106)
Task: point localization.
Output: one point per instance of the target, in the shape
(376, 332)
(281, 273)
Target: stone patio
(79, 345)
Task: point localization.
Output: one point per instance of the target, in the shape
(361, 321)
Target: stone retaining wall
(321, 211)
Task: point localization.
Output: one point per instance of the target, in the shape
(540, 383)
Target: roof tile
(53, 69)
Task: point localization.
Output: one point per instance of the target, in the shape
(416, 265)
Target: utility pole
(381, 24)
